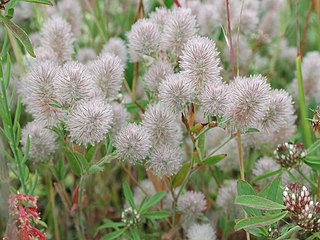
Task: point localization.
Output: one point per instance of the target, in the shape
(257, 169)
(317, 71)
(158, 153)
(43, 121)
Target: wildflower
(37, 91)
(70, 10)
(165, 160)
(159, 17)
(117, 47)
(201, 231)
(120, 117)
(200, 61)
(214, 99)
(86, 55)
(226, 198)
(73, 83)
(42, 141)
(192, 203)
(57, 35)
(156, 74)
(176, 91)
(130, 217)
(179, 27)
(264, 165)
(280, 111)
(23, 209)
(45, 54)
(249, 98)
(161, 124)
(89, 121)
(143, 39)
(290, 155)
(209, 22)
(132, 143)
(296, 198)
(108, 74)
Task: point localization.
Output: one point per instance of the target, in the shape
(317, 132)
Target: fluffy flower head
(192, 203)
(201, 231)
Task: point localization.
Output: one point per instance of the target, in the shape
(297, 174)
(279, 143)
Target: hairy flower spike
(108, 74)
(178, 28)
(37, 91)
(192, 203)
(42, 141)
(117, 47)
(201, 231)
(176, 91)
(200, 60)
(290, 155)
(143, 39)
(249, 100)
(156, 74)
(132, 143)
(57, 35)
(214, 99)
(162, 125)
(73, 83)
(165, 160)
(89, 121)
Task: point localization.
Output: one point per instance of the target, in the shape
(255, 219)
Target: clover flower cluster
(306, 212)
(23, 209)
(130, 217)
(290, 155)
(192, 203)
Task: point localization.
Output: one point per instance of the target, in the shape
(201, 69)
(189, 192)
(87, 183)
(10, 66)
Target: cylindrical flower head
(201, 231)
(120, 117)
(143, 39)
(309, 219)
(159, 17)
(192, 203)
(37, 91)
(296, 198)
(165, 160)
(117, 47)
(162, 125)
(179, 27)
(156, 74)
(249, 101)
(132, 143)
(176, 91)
(214, 99)
(108, 74)
(280, 111)
(86, 55)
(71, 11)
(73, 83)
(57, 35)
(42, 141)
(290, 155)
(89, 121)
(200, 60)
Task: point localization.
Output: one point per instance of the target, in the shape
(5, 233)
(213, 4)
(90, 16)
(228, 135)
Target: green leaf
(110, 224)
(214, 159)
(90, 152)
(46, 2)
(313, 162)
(313, 147)
(152, 201)
(258, 202)
(113, 235)
(128, 195)
(258, 232)
(259, 221)
(74, 164)
(244, 188)
(82, 160)
(289, 233)
(19, 33)
(251, 130)
(266, 175)
(94, 169)
(181, 175)
(272, 191)
(134, 108)
(157, 215)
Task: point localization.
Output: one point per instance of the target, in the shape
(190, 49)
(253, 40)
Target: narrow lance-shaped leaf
(258, 202)
(128, 195)
(19, 33)
(152, 201)
(259, 221)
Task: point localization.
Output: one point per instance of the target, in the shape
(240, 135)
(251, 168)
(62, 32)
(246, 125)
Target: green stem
(314, 186)
(219, 147)
(302, 104)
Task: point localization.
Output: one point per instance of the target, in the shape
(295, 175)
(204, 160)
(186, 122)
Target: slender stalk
(135, 81)
(219, 147)
(230, 39)
(240, 153)
(306, 24)
(53, 206)
(314, 186)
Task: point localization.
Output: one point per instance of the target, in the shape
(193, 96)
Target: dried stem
(306, 24)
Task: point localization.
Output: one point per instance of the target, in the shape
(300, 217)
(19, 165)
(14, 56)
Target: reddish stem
(177, 3)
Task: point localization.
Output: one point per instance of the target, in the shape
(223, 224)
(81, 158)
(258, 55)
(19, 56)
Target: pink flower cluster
(23, 209)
